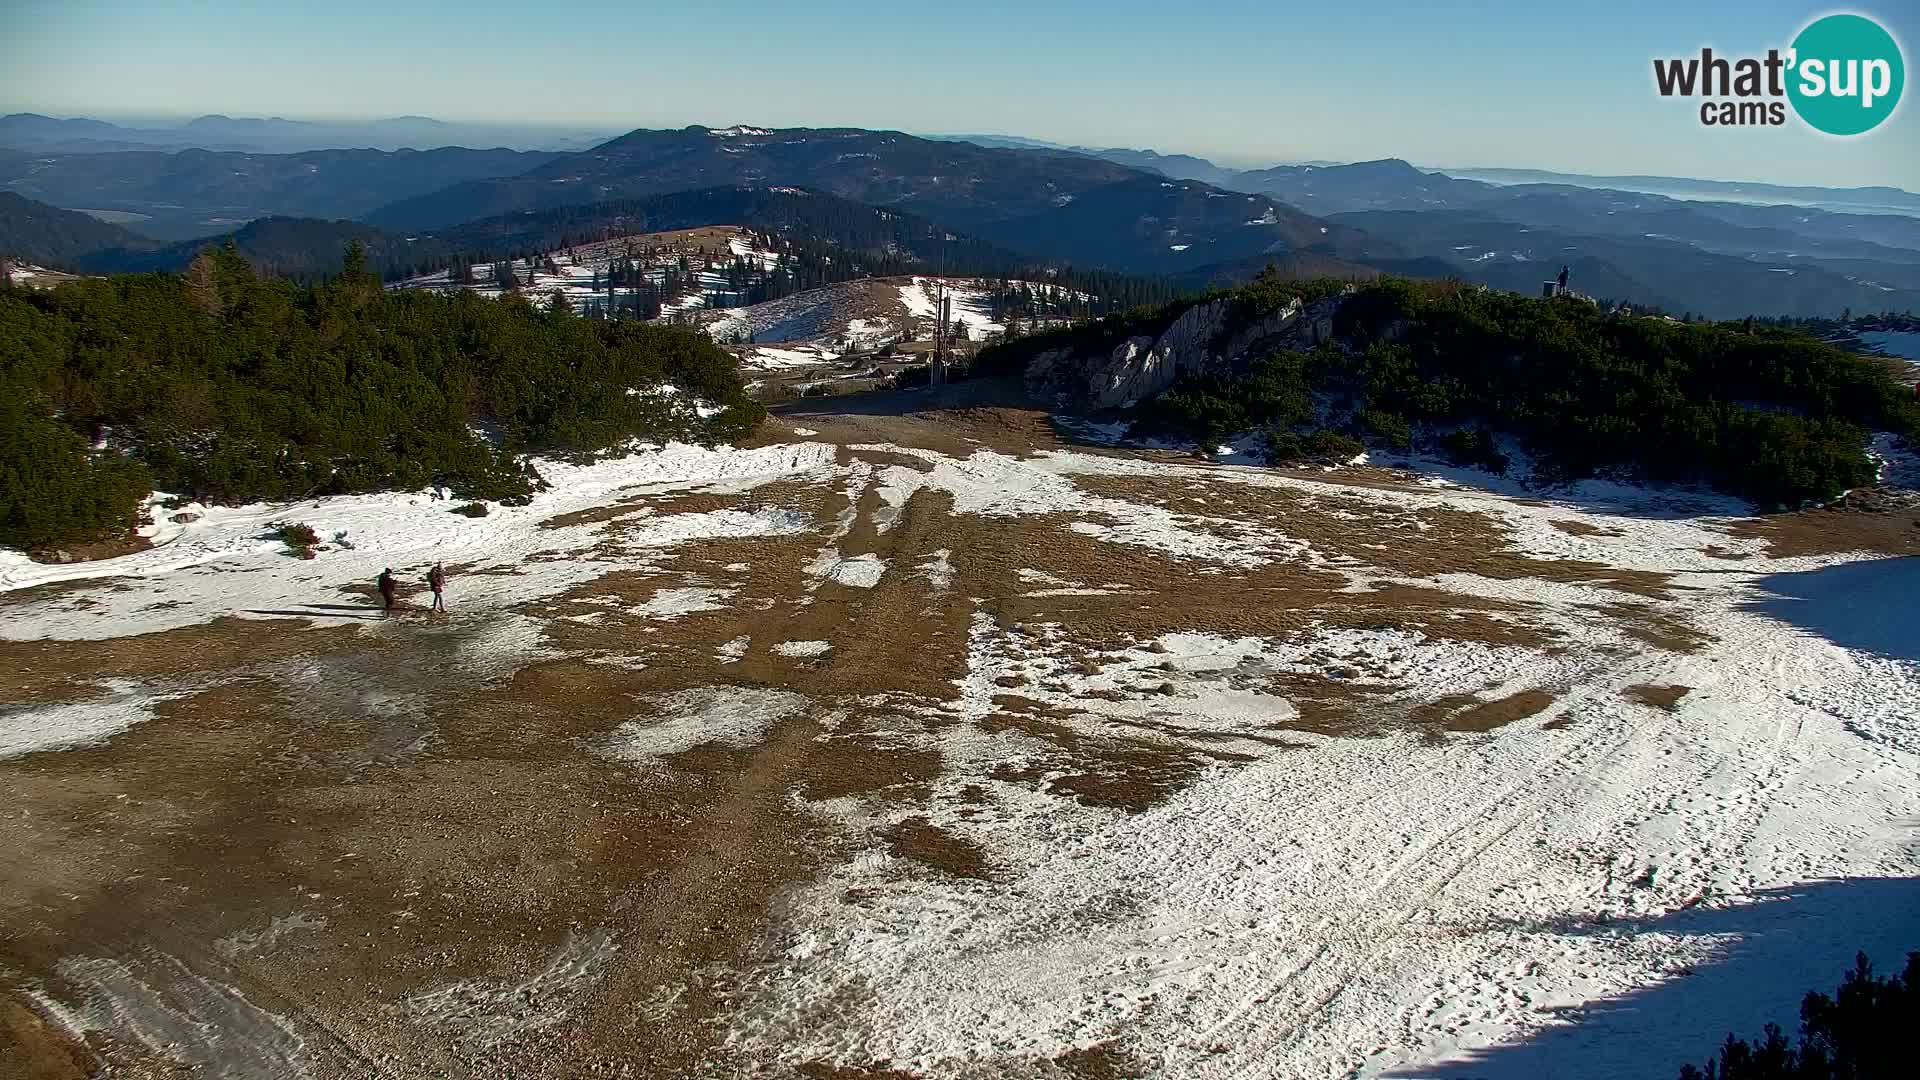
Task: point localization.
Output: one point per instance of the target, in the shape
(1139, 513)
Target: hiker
(387, 586)
(437, 581)
(1563, 279)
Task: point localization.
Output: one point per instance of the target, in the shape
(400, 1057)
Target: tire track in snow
(1750, 771)
(1259, 1038)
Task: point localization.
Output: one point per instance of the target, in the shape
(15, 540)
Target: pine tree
(203, 284)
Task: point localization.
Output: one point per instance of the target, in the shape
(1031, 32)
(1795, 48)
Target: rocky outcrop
(1202, 339)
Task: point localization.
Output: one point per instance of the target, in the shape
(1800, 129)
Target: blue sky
(1539, 84)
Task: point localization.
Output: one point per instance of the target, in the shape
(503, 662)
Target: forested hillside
(48, 235)
(826, 240)
(823, 240)
(304, 249)
(1149, 225)
(951, 181)
(227, 387)
(1769, 414)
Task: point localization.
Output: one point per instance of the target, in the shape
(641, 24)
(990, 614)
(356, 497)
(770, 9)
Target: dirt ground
(334, 853)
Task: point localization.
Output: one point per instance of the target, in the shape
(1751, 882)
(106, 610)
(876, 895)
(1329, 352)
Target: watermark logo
(1842, 75)
(1851, 74)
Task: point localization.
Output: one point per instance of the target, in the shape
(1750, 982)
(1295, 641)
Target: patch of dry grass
(1833, 531)
(1585, 528)
(1658, 696)
(922, 841)
(1662, 630)
(1418, 543)
(1471, 713)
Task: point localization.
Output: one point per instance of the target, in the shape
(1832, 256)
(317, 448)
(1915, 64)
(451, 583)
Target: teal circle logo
(1847, 74)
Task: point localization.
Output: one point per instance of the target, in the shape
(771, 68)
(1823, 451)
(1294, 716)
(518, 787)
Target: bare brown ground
(1489, 715)
(1469, 713)
(473, 830)
(1418, 544)
(41, 671)
(919, 839)
(53, 590)
(819, 1070)
(1106, 1061)
(1658, 696)
(1662, 630)
(35, 1048)
(1132, 774)
(958, 433)
(473, 858)
(1834, 531)
(687, 502)
(1584, 528)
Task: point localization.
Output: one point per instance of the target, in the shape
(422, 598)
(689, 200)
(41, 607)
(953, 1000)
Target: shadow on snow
(1770, 953)
(322, 611)
(1868, 606)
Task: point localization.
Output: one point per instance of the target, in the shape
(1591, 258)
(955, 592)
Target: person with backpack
(387, 587)
(437, 581)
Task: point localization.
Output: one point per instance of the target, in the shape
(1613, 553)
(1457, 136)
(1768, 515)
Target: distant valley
(177, 195)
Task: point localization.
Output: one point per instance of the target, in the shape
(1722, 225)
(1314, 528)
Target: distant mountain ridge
(1873, 199)
(958, 183)
(1050, 204)
(1128, 211)
(1190, 167)
(1175, 166)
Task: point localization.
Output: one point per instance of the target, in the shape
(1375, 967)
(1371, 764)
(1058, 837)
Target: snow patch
(226, 563)
(733, 715)
(36, 728)
(673, 603)
(482, 1013)
(803, 648)
(859, 572)
(157, 1002)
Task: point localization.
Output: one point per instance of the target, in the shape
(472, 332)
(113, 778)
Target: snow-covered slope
(967, 304)
(861, 316)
